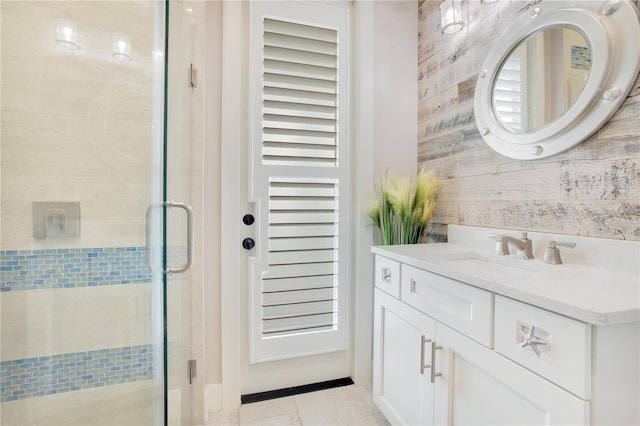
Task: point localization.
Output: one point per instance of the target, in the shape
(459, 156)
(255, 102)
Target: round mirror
(541, 79)
(556, 75)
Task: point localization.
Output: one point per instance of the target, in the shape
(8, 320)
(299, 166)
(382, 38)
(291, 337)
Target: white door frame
(234, 133)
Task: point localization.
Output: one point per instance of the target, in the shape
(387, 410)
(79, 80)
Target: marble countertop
(593, 295)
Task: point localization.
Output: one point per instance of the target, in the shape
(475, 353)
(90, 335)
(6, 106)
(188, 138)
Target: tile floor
(348, 405)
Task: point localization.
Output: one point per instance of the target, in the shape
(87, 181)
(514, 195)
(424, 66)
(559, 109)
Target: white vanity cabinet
(450, 353)
(401, 382)
(478, 386)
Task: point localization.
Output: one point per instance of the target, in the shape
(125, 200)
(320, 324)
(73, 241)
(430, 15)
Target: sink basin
(493, 261)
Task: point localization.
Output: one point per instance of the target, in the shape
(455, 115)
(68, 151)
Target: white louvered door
(298, 148)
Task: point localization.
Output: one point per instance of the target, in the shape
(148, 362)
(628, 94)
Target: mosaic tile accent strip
(22, 270)
(49, 375)
(580, 58)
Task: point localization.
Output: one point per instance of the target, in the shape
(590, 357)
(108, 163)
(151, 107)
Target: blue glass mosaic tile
(580, 58)
(53, 374)
(68, 268)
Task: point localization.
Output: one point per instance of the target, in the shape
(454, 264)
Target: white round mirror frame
(613, 31)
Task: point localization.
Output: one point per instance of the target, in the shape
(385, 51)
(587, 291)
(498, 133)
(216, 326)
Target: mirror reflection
(541, 79)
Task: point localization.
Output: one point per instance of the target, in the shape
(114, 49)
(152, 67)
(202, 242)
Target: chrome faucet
(524, 245)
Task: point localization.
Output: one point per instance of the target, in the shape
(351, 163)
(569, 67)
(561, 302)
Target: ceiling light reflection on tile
(67, 33)
(121, 47)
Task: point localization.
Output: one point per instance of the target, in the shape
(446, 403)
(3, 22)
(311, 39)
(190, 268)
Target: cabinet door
(401, 358)
(478, 386)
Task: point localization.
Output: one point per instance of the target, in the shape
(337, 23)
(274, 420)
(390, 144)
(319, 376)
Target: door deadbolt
(248, 243)
(248, 219)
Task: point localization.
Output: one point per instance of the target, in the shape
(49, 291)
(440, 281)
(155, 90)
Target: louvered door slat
(300, 270)
(299, 323)
(302, 230)
(306, 189)
(298, 309)
(300, 203)
(297, 30)
(299, 123)
(299, 110)
(299, 70)
(302, 256)
(299, 96)
(284, 244)
(298, 296)
(299, 83)
(299, 56)
(299, 43)
(299, 283)
(309, 216)
(299, 136)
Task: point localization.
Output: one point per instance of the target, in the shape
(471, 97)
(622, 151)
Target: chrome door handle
(423, 340)
(434, 348)
(432, 366)
(189, 211)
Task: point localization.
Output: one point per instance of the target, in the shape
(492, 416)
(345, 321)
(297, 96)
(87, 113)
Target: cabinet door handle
(434, 348)
(529, 338)
(423, 340)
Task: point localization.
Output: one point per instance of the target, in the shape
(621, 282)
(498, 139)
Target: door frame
(235, 30)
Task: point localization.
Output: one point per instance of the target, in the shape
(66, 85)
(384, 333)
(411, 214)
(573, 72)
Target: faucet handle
(562, 244)
(552, 252)
(502, 248)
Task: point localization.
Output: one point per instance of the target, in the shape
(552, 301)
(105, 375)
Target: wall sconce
(451, 16)
(121, 47)
(67, 34)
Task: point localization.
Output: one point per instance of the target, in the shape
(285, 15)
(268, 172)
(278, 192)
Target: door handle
(434, 348)
(423, 340)
(189, 211)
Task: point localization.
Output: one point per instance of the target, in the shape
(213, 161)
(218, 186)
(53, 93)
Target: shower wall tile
(22, 270)
(105, 164)
(44, 322)
(47, 375)
(76, 125)
(128, 404)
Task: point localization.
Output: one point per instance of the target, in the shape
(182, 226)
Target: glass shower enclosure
(93, 213)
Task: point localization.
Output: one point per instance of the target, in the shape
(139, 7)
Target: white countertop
(593, 295)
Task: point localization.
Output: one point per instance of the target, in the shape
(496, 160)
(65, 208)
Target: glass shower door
(89, 332)
(179, 215)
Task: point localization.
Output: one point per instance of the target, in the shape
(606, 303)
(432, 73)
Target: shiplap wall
(590, 190)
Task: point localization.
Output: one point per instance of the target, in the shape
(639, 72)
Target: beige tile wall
(76, 125)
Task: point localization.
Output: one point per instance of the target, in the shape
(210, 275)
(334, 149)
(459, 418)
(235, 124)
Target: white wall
(395, 42)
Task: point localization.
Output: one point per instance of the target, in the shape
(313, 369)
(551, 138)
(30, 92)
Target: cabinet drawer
(467, 309)
(387, 275)
(556, 347)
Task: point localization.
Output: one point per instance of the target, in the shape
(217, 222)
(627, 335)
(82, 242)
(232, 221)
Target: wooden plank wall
(590, 190)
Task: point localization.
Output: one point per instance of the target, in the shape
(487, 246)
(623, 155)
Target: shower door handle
(189, 211)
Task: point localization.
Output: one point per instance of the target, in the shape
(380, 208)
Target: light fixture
(67, 33)
(121, 47)
(451, 16)
(489, 1)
